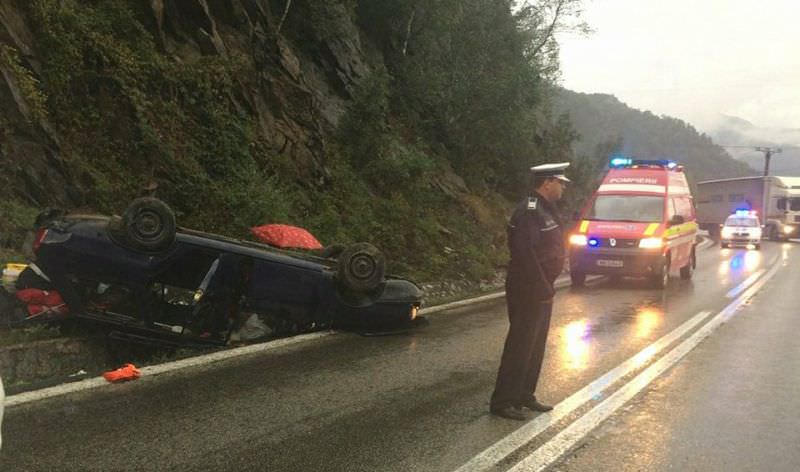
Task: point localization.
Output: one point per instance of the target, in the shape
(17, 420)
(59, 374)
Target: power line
(768, 152)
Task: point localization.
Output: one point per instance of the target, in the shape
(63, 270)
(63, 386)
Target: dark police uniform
(536, 243)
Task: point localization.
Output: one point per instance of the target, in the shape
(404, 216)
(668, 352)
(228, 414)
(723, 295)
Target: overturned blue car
(152, 281)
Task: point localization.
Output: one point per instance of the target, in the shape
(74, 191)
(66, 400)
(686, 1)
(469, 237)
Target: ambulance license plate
(609, 262)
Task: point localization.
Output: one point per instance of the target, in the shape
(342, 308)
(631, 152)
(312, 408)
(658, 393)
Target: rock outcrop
(295, 97)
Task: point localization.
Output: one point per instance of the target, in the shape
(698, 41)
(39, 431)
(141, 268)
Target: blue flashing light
(630, 162)
(740, 212)
(593, 242)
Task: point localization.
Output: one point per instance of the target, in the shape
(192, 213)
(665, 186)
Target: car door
(682, 233)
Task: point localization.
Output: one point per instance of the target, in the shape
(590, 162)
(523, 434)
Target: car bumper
(613, 261)
(738, 241)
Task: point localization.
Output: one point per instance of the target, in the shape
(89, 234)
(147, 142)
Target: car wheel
(577, 278)
(148, 224)
(773, 233)
(661, 278)
(688, 269)
(361, 267)
(330, 252)
(758, 246)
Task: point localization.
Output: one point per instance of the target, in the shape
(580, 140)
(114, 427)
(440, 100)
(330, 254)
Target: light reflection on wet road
(724, 407)
(413, 402)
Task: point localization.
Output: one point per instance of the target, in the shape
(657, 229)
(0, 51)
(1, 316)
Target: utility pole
(768, 152)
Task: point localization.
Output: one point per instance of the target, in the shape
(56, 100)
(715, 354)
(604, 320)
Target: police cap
(555, 171)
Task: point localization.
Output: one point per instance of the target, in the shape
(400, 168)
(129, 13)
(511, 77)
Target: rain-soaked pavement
(419, 401)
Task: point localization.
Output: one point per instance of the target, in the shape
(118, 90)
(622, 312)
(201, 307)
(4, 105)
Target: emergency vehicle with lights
(742, 228)
(775, 199)
(640, 222)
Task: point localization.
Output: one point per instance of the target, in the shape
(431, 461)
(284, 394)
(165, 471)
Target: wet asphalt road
(419, 401)
(730, 406)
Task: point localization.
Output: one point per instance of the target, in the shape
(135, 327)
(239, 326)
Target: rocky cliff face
(30, 159)
(295, 98)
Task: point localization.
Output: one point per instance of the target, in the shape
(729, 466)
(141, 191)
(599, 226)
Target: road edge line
(510, 443)
(559, 445)
(159, 369)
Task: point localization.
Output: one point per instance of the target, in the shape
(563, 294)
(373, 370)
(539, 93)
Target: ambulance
(639, 223)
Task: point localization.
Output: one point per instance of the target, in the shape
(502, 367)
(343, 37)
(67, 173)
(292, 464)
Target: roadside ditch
(44, 355)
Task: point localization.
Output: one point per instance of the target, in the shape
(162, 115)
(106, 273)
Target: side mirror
(676, 220)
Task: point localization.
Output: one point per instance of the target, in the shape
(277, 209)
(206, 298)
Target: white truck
(775, 199)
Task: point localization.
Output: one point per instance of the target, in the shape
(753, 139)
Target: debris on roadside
(124, 373)
(253, 328)
(10, 275)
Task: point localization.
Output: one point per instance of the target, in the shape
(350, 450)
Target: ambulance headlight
(788, 229)
(727, 232)
(651, 243)
(577, 239)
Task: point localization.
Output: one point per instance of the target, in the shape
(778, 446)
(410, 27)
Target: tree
(540, 21)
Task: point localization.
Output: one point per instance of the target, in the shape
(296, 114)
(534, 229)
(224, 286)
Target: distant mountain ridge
(735, 131)
(603, 123)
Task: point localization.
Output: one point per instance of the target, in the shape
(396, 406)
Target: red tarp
(285, 236)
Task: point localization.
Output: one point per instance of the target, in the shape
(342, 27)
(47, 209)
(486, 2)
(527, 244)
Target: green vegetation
(172, 120)
(454, 97)
(16, 220)
(26, 81)
(602, 120)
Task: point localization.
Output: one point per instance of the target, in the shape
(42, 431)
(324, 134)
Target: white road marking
(97, 382)
(735, 291)
(501, 449)
(152, 371)
(158, 369)
(554, 449)
(560, 283)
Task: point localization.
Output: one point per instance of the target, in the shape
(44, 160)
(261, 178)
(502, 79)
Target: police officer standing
(535, 240)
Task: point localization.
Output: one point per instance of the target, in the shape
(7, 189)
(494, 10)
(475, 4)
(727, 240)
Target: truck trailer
(775, 199)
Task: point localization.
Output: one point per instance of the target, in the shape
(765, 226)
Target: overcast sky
(692, 59)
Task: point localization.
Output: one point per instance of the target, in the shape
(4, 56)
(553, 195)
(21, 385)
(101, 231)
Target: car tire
(758, 246)
(148, 224)
(578, 279)
(361, 267)
(660, 280)
(774, 235)
(688, 269)
(330, 252)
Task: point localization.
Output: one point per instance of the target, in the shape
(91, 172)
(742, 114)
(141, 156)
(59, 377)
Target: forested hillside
(744, 137)
(605, 125)
(405, 123)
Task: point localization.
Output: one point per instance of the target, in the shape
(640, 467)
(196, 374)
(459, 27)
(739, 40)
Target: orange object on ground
(126, 372)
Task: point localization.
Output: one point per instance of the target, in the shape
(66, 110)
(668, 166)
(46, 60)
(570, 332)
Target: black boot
(510, 412)
(532, 403)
